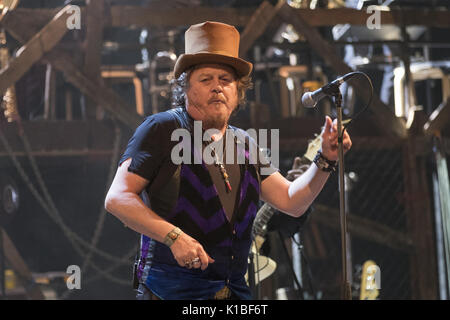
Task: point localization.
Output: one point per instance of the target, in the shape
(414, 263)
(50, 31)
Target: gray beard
(215, 123)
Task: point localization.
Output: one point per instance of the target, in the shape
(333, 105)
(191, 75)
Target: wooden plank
(62, 138)
(34, 49)
(19, 266)
(68, 104)
(399, 17)
(36, 19)
(50, 93)
(439, 118)
(93, 53)
(256, 26)
(127, 16)
(94, 135)
(386, 119)
(420, 221)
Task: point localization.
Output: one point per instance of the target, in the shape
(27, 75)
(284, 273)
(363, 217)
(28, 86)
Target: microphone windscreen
(308, 101)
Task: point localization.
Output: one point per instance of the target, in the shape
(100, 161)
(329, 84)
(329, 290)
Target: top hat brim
(185, 61)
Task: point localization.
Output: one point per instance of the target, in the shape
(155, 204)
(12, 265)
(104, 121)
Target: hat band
(219, 52)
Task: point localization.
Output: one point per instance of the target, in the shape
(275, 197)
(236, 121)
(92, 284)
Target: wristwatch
(324, 164)
(172, 236)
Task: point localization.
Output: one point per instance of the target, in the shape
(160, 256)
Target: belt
(223, 294)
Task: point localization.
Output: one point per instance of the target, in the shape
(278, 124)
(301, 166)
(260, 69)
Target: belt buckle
(223, 294)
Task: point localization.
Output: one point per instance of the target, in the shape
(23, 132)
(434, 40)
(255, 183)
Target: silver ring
(196, 260)
(193, 261)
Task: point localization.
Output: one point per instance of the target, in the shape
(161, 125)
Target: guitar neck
(263, 216)
(266, 212)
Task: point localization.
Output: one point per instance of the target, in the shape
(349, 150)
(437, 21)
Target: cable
(52, 212)
(368, 103)
(286, 253)
(308, 268)
(101, 221)
(102, 215)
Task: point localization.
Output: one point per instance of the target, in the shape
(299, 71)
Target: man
(196, 226)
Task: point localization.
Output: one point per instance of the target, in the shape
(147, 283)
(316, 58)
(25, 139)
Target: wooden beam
(399, 17)
(256, 26)
(420, 220)
(127, 16)
(97, 136)
(68, 103)
(19, 266)
(63, 61)
(386, 119)
(93, 49)
(439, 118)
(50, 93)
(82, 138)
(34, 50)
(36, 19)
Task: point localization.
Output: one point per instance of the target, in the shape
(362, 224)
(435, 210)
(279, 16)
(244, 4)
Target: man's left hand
(330, 140)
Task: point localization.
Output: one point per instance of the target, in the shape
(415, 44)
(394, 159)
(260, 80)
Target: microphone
(310, 99)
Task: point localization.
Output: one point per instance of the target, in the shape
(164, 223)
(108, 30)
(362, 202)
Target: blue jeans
(143, 293)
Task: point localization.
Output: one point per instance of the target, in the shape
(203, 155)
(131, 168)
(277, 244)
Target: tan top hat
(212, 42)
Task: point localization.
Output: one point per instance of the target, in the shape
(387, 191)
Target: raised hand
(330, 140)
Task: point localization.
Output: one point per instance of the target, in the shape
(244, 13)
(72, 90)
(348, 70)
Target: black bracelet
(323, 163)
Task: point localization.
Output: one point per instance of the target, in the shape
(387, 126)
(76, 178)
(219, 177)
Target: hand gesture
(189, 253)
(330, 140)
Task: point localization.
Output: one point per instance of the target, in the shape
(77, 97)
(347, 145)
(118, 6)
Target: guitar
(264, 266)
(266, 212)
(370, 279)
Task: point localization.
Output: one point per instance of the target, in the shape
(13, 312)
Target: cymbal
(264, 267)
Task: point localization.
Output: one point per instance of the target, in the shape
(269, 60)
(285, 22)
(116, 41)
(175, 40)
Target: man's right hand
(185, 249)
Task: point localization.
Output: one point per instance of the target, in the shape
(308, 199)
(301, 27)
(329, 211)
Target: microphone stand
(332, 89)
(251, 275)
(346, 293)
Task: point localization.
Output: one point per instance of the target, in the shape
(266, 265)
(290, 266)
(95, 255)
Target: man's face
(212, 95)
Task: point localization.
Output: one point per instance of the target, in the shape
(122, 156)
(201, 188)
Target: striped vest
(199, 213)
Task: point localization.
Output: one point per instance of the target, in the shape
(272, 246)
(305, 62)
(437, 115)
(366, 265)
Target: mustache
(216, 99)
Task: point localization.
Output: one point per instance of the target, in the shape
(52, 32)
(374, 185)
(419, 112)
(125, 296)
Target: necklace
(220, 165)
